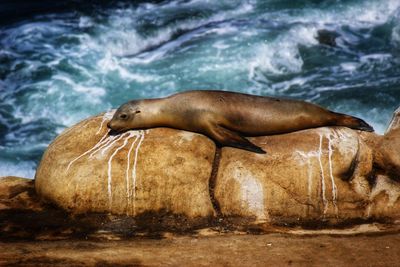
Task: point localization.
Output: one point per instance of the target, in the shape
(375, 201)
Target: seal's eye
(137, 111)
(123, 116)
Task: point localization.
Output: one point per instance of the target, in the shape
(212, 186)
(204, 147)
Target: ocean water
(58, 68)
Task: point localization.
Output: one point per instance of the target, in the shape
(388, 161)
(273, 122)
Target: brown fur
(227, 116)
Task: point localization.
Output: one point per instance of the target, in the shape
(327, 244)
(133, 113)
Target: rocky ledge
(148, 183)
(329, 175)
(38, 234)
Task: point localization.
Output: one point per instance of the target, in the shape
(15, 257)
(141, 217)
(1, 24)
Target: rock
(19, 208)
(18, 193)
(24, 217)
(87, 170)
(386, 155)
(306, 175)
(34, 234)
(329, 175)
(327, 37)
(11, 186)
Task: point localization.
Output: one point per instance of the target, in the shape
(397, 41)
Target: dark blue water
(61, 67)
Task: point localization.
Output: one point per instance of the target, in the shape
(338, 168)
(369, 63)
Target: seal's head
(128, 116)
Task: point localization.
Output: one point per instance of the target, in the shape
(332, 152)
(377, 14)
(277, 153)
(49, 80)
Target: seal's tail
(354, 123)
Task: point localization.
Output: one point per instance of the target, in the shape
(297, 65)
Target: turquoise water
(57, 69)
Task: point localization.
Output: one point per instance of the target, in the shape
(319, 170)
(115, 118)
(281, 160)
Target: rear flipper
(353, 122)
(227, 137)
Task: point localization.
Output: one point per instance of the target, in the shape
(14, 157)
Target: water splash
(60, 68)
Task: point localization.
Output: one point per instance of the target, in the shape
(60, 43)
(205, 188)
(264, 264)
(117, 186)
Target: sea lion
(227, 117)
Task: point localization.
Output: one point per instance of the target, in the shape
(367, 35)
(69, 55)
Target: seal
(228, 117)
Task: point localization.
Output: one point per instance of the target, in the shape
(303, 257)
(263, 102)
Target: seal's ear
(395, 122)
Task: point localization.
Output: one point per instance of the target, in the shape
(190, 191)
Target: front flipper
(227, 137)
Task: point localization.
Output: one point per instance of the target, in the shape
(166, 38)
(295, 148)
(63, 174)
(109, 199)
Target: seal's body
(227, 116)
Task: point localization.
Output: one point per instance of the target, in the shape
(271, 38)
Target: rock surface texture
(36, 234)
(85, 169)
(327, 174)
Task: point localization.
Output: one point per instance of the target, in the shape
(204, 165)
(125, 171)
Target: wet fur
(228, 117)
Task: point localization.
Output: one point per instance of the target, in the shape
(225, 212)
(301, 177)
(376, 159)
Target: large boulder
(306, 175)
(87, 170)
(331, 174)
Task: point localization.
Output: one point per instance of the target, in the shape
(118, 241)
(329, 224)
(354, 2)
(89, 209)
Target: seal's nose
(109, 125)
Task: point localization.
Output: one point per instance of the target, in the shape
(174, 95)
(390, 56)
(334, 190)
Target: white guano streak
(308, 156)
(106, 116)
(111, 144)
(325, 202)
(334, 188)
(127, 180)
(319, 155)
(99, 144)
(310, 173)
(105, 144)
(134, 175)
(109, 174)
(101, 125)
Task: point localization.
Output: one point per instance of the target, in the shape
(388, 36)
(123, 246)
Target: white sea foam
(349, 66)
(111, 63)
(85, 22)
(272, 60)
(124, 39)
(20, 169)
(282, 56)
(65, 67)
(92, 91)
(395, 37)
(365, 14)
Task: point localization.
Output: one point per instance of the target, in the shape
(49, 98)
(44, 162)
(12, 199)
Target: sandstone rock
(386, 147)
(24, 217)
(11, 186)
(325, 174)
(87, 170)
(18, 193)
(306, 175)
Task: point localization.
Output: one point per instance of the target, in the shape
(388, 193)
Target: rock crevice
(213, 181)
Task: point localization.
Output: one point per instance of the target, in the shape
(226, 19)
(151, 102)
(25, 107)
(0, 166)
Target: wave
(60, 68)
(19, 169)
(123, 39)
